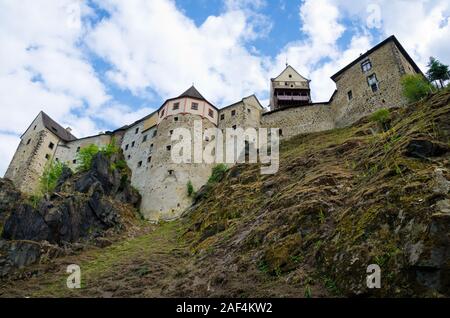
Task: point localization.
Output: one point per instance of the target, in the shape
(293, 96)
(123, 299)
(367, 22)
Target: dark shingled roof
(192, 92)
(56, 128)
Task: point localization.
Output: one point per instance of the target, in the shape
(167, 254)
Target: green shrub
(218, 172)
(85, 157)
(415, 87)
(120, 165)
(49, 179)
(382, 117)
(190, 188)
(87, 154)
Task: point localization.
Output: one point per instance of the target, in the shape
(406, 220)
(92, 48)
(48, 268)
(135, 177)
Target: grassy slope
(342, 199)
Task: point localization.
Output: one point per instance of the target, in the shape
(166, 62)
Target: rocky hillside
(373, 193)
(85, 207)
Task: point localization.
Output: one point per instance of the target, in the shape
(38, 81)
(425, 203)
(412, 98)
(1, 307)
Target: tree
(438, 72)
(415, 87)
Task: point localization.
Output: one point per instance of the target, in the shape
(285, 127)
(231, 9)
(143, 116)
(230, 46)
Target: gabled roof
(376, 47)
(290, 68)
(192, 92)
(56, 128)
(242, 100)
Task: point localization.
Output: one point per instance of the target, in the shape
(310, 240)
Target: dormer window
(366, 66)
(176, 106)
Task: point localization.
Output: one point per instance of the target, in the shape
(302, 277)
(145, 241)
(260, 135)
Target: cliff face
(344, 199)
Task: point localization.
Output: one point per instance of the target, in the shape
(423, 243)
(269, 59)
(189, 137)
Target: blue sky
(96, 65)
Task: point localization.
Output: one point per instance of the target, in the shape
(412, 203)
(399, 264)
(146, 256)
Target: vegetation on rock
(415, 87)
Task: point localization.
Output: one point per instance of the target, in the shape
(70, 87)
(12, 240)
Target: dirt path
(138, 267)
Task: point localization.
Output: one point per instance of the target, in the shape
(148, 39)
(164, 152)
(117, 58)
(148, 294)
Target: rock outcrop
(82, 208)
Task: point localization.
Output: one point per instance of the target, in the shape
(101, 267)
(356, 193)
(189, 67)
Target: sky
(96, 65)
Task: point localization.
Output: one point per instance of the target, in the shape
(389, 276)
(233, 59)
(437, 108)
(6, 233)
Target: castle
(370, 82)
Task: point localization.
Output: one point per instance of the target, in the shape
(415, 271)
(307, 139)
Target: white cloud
(151, 44)
(9, 144)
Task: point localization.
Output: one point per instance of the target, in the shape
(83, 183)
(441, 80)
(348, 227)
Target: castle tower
(37, 147)
(289, 89)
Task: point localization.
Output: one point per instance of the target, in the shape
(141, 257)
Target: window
(249, 110)
(149, 159)
(57, 159)
(54, 129)
(137, 130)
(350, 95)
(51, 145)
(280, 132)
(28, 142)
(129, 156)
(286, 83)
(47, 156)
(74, 161)
(175, 118)
(222, 116)
(168, 147)
(170, 132)
(132, 144)
(151, 147)
(126, 147)
(78, 148)
(366, 66)
(154, 133)
(373, 82)
(233, 113)
(144, 139)
(211, 113)
(194, 106)
(162, 113)
(35, 127)
(176, 106)
(290, 75)
(139, 164)
(234, 126)
(170, 172)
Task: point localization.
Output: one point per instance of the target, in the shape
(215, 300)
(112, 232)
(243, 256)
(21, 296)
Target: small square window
(366, 66)
(57, 159)
(51, 145)
(194, 106)
(78, 149)
(170, 132)
(169, 147)
(175, 118)
(222, 116)
(144, 139)
(170, 172)
(233, 113)
(249, 110)
(129, 156)
(350, 95)
(234, 127)
(176, 106)
(210, 113)
(74, 161)
(47, 156)
(139, 164)
(137, 130)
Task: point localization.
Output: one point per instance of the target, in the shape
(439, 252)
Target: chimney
(69, 130)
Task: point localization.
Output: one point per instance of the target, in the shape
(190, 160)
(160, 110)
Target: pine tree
(438, 71)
